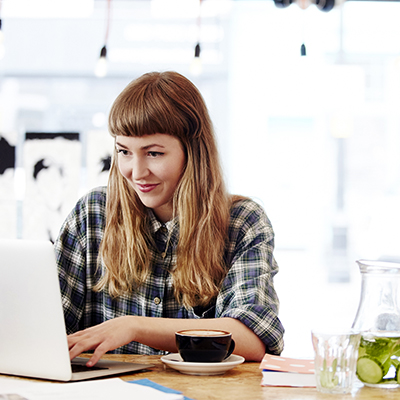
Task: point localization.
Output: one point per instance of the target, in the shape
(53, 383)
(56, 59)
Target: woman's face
(153, 166)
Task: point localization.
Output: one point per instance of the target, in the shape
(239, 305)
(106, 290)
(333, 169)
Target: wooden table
(242, 382)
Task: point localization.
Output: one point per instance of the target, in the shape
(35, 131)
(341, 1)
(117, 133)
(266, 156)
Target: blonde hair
(168, 103)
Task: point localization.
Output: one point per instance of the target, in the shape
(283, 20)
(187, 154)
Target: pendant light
(196, 67)
(102, 63)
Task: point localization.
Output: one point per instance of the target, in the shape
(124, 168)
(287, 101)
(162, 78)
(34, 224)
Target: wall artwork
(43, 176)
(53, 166)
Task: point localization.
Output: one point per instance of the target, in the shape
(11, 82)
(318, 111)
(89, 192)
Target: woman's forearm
(159, 333)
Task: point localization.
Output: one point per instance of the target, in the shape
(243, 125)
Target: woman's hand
(102, 338)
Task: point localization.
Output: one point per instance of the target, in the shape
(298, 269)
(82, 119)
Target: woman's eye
(154, 154)
(122, 151)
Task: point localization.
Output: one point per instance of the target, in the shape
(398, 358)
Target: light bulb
(196, 67)
(101, 66)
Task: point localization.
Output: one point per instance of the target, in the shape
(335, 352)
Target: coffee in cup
(204, 345)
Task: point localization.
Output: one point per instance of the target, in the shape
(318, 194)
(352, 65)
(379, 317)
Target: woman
(165, 247)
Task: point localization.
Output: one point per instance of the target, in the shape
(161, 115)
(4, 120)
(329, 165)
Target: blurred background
(304, 96)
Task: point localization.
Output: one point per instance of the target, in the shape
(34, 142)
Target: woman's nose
(140, 169)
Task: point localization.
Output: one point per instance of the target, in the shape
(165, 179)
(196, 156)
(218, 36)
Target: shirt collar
(155, 224)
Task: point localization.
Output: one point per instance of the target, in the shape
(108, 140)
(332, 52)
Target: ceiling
(43, 40)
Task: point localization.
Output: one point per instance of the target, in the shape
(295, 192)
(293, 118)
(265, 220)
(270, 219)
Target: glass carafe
(378, 319)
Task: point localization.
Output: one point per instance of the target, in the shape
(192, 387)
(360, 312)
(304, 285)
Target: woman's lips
(146, 188)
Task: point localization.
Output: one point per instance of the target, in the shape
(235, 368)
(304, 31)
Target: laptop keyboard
(84, 368)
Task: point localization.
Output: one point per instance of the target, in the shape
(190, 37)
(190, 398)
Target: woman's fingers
(98, 353)
(101, 338)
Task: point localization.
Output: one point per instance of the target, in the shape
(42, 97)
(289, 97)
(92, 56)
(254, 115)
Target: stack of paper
(91, 390)
(284, 371)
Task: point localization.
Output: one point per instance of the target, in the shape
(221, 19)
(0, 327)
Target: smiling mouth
(146, 188)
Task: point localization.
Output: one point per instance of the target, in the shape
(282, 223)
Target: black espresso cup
(204, 345)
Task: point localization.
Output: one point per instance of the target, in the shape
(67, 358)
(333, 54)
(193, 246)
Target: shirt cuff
(263, 322)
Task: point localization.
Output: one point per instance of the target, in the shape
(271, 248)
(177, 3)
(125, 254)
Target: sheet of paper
(104, 389)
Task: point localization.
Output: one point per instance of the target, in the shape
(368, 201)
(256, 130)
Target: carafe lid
(379, 267)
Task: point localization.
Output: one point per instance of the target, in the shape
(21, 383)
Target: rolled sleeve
(247, 292)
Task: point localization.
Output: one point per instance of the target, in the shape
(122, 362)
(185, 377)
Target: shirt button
(157, 300)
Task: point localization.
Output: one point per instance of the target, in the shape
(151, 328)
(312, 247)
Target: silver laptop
(33, 340)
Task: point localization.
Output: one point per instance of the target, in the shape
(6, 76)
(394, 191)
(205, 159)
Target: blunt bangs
(148, 106)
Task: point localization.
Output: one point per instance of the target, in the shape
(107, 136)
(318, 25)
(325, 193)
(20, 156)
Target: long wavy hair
(169, 103)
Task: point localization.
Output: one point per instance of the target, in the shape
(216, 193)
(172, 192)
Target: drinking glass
(335, 360)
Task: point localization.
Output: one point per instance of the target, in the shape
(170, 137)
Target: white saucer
(175, 361)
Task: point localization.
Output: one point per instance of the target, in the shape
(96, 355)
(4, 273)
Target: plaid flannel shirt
(247, 292)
